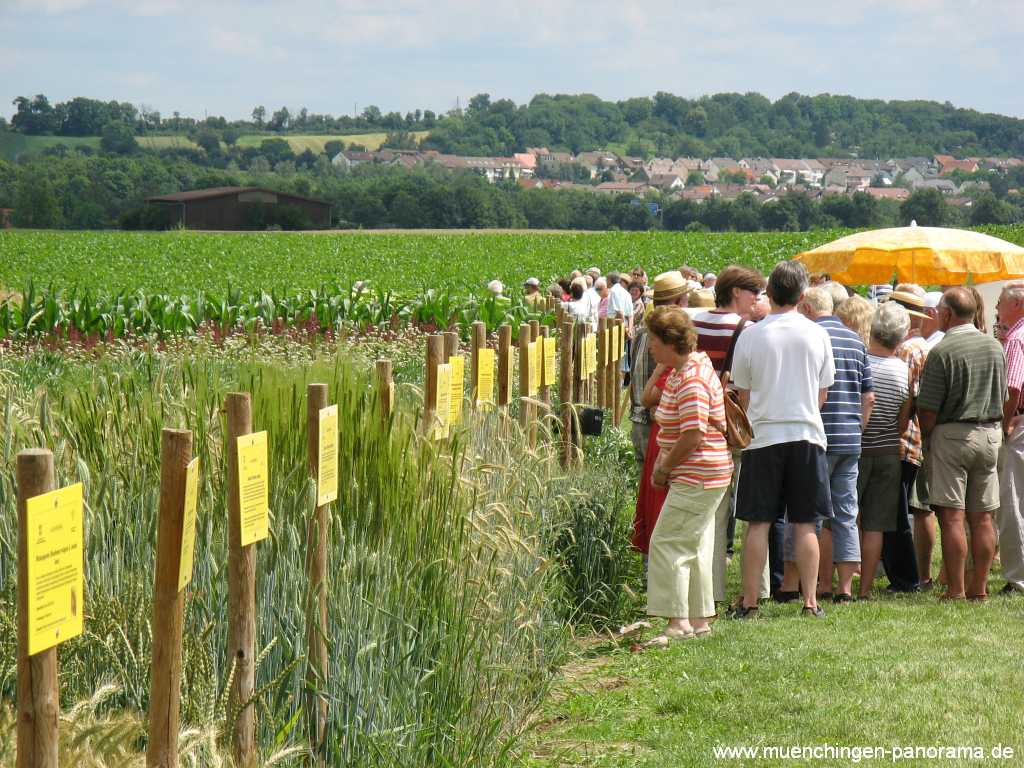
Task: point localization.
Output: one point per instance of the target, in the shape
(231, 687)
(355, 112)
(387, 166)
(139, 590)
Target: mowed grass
(12, 145)
(371, 141)
(899, 671)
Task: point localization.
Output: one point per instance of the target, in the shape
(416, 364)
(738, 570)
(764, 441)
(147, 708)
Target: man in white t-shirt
(783, 368)
(619, 301)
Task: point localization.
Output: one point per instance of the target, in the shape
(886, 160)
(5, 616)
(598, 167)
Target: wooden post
(616, 374)
(578, 392)
(451, 345)
(478, 342)
(602, 367)
(525, 408)
(168, 602)
(316, 570)
(504, 363)
(545, 390)
(38, 686)
(385, 388)
(566, 384)
(610, 368)
(241, 591)
(435, 348)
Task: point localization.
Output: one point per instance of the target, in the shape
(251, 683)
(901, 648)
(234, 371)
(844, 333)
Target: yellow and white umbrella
(923, 255)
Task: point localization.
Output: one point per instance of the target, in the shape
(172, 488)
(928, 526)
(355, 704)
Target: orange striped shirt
(693, 399)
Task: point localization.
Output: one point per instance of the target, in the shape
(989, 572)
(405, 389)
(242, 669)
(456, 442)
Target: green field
(12, 145)
(184, 261)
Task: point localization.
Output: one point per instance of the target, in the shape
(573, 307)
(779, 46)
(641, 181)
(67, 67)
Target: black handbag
(591, 421)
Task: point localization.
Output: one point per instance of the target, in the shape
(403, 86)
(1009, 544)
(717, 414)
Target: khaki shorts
(961, 466)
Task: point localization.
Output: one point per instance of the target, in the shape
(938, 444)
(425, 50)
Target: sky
(224, 57)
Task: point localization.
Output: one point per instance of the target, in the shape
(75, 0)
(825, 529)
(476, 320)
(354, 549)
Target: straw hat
(913, 303)
(704, 298)
(669, 285)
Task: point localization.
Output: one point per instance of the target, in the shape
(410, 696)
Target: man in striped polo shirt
(960, 406)
(844, 415)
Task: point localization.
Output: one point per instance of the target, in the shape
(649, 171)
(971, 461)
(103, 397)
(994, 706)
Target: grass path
(899, 671)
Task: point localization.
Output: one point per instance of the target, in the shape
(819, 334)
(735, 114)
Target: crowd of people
(841, 430)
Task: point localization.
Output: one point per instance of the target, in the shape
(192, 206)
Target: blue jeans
(842, 471)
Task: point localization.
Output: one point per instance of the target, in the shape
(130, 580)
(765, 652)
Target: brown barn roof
(204, 194)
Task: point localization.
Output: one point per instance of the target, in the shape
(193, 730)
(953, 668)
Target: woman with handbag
(695, 465)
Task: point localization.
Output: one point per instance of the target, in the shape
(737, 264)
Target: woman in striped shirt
(880, 470)
(695, 464)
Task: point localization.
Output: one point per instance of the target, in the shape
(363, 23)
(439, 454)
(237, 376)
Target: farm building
(242, 208)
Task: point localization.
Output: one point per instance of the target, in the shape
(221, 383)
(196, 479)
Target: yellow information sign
(550, 377)
(56, 587)
(327, 457)
(593, 353)
(443, 415)
(532, 368)
(188, 524)
(607, 334)
(618, 343)
(253, 487)
(485, 377)
(458, 364)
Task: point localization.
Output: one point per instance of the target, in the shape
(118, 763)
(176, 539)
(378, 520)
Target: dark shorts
(790, 477)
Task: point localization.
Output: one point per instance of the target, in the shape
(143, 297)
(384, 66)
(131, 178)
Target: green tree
(989, 209)
(276, 150)
(35, 204)
(925, 206)
(259, 115)
(209, 140)
(333, 147)
(694, 179)
(118, 138)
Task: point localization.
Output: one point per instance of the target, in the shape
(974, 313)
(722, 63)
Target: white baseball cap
(495, 286)
(932, 299)
(532, 281)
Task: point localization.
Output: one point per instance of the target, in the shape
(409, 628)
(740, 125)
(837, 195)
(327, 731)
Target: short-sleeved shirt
(784, 360)
(842, 412)
(964, 377)
(1014, 348)
(619, 301)
(891, 378)
(715, 329)
(693, 400)
(913, 351)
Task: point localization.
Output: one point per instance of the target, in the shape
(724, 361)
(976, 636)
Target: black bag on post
(591, 421)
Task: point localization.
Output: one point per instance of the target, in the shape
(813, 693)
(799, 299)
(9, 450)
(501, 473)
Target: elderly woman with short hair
(695, 463)
(878, 483)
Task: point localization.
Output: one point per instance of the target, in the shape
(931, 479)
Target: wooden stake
(38, 686)
(168, 602)
(615, 376)
(566, 383)
(479, 341)
(602, 367)
(435, 348)
(385, 388)
(316, 570)
(545, 390)
(241, 591)
(525, 408)
(504, 363)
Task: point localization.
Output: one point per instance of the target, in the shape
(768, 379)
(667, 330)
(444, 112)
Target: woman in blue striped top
(878, 482)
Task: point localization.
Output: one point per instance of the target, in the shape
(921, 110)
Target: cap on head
(532, 281)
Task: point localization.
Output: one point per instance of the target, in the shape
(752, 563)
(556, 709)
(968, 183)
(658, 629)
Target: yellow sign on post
(188, 524)
(485, 377)
(533, 369)
(443, 414)
(253, 487)
(458, 364)
(550, 345)
(327, 456)
(593, 353)
(56, 587)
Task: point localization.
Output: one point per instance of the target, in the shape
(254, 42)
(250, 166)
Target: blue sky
(225, 57)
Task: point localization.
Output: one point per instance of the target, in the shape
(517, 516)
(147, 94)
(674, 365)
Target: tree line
(724, 125)
(100, 190)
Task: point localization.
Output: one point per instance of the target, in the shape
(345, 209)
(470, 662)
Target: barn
(242, 208)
